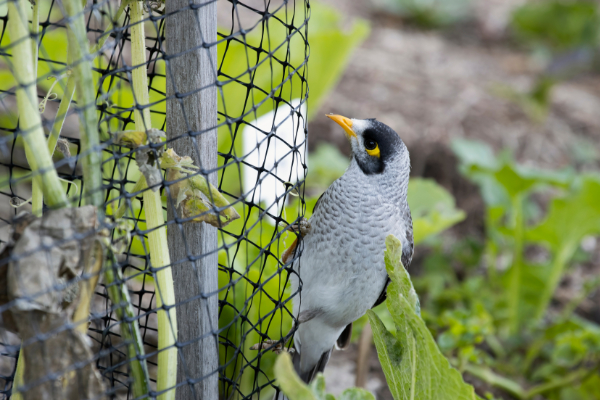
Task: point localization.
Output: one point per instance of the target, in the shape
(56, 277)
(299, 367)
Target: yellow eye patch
(374, 152)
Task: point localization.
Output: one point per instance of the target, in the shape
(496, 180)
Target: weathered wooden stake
(193, 119)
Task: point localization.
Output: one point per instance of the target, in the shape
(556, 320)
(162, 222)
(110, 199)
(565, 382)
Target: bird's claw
(274, 345)
(302, 227)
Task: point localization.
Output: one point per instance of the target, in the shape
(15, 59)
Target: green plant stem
(35, 30)
(37, 194)
(496, 346)
(30, 121)
(119, 296)
(92, 173)
(110, 26)
(84, 83)
(489, 376)
(138, 187)
(588, 288)
(566, 380)
(514, 292)
(157, 238)
(561, 258)
(65, 102)
(516, 390)
(25, 72)
(61, 114)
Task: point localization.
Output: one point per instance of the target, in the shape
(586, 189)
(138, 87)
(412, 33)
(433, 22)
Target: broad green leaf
(500, 178)
(413, 365)
(432, 207)
(474, 153)
(568, 221)
(571, 218)
(292, 386)
(356, 394)
(289, 382)
(401, 284)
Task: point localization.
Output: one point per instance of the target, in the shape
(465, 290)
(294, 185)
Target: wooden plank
(193, 120)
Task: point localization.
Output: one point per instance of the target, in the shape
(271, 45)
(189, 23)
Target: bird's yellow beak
(345, 123)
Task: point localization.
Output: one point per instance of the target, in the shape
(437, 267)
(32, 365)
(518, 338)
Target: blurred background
(498, 102)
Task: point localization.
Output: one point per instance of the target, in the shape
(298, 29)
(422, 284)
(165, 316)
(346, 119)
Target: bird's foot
(303, 227)
(275, 345)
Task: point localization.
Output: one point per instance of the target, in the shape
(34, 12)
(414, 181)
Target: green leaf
(568, 221)
(571, 218)
(432, 208)
(356, 394)
(474, 153)
(412, 363)
(401, 283)
(293, 387)
(289, 382)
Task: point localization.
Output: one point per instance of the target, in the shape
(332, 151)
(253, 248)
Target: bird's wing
(344, 340)
(291, 251)
(319, 367)
(383, 294)
(317, 203)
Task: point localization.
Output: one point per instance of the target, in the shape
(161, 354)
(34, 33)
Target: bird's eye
(370, 144)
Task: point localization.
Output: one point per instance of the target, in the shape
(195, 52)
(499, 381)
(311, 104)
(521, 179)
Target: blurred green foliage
(555, 26)
(487, 300)
(432, 208)
(429, 13)
(563, 36)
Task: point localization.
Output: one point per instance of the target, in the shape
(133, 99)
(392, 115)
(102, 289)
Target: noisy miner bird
(341, 270)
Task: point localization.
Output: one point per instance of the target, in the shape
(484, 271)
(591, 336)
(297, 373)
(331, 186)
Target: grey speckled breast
(342, 265)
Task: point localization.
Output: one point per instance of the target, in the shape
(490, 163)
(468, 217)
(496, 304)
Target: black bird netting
(140, 295)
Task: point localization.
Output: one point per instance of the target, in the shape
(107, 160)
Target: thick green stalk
(157, 238)
(37, 195)
(25, 72)
(35, 30)
(30, 121)
(82, 71)
(92, 173)
(514, 292)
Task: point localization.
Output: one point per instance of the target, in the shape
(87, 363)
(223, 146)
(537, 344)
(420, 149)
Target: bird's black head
(374, 145)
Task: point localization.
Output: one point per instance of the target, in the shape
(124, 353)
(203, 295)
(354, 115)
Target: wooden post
(192, 121)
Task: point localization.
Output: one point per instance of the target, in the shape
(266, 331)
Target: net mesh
(259, 80)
